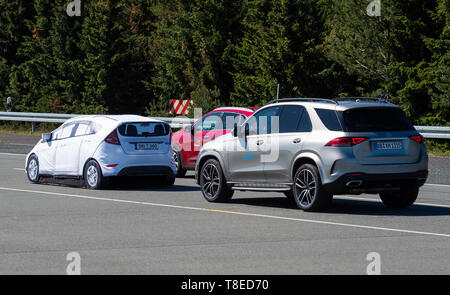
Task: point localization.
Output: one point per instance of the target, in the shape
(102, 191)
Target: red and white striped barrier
(180, 106)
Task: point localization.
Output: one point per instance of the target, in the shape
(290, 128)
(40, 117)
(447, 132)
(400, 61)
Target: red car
(187, 142)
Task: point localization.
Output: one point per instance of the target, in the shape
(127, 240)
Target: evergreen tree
(192, 46)
(281, 44)
(396, 53)
(48, 80)
(114, 66)
(133, 56)
(14, 16)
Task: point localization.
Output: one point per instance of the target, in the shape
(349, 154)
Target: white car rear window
(143, 129)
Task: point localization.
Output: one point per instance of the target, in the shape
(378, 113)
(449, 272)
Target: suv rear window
(375, 119)
(143, 129)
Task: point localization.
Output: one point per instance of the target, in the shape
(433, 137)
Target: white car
(97, 147)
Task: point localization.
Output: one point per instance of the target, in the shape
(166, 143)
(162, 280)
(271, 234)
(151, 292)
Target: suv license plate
(147, 146)
(388, 145)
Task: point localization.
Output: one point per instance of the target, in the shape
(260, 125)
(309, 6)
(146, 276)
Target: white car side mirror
(46, 136)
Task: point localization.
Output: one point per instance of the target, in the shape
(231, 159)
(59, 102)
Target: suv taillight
(418, 138)
(112, 138)
(346, 141)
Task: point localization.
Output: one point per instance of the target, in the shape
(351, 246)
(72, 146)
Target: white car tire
(33, 169)
(93, 177)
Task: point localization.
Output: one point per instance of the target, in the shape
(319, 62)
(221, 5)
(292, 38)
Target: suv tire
(401, 199)
(213, 184)
(309, 194)
(290, 196)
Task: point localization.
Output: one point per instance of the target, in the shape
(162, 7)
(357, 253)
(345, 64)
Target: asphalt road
(143, 229)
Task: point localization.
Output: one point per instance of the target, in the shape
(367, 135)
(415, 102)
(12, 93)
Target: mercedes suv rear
(312, 149)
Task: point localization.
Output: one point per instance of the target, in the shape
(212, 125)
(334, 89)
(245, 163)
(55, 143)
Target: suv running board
(270, 189)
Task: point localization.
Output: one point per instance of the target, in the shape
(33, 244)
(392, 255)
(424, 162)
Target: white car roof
(113, 119)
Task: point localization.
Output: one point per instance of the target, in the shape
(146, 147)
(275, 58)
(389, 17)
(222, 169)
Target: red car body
(187, 142)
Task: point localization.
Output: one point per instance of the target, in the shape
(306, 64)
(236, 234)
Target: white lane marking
(433, 184)
(376, 200)
(20, 144)
(10, 154)
(232, 212)
(19, 169)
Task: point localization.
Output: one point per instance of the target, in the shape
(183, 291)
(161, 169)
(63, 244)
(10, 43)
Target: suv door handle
(297, 140)
(206, 137)
(259, 142)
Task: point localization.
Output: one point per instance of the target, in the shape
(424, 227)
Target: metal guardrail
(177, 122)
(434, 132)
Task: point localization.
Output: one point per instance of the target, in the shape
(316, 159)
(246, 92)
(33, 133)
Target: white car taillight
(112, 138)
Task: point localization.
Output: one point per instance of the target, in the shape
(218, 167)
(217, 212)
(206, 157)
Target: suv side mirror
(46, 136)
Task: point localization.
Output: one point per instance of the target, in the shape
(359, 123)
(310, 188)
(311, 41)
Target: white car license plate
(147, 146)
(388, 145)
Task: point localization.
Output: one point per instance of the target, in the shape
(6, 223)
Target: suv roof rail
(358, 99)
(302, 99)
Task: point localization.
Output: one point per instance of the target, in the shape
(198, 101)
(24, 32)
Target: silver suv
(311, 149)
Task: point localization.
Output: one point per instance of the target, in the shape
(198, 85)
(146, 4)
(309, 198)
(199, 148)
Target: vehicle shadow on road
(274, 202)
(359, 207)
(125, 184)
(156, 188)
(148, 184)
(349, 207)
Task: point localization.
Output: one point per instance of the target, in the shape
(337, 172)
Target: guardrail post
(8, 104)
(33, 126)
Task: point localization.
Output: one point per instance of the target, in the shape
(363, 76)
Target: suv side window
(329, 119)
(294, 118)
(261, 122)
(304, 124)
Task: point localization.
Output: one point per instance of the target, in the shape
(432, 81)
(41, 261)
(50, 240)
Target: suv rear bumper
(357, 183)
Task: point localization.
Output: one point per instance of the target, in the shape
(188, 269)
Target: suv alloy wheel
(213, 184)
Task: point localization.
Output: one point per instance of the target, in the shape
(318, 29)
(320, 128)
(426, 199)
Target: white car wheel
(33, 169)
(93, 175)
